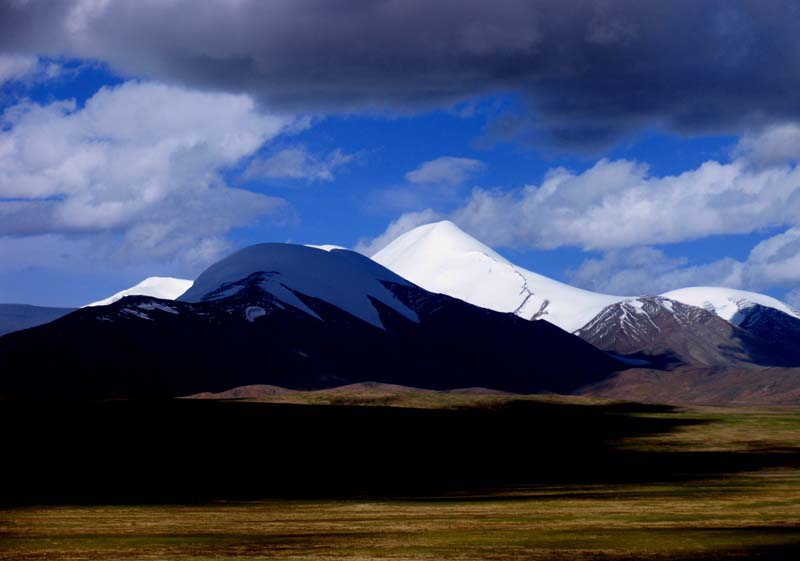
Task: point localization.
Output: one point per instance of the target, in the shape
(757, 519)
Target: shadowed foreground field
(502, 479)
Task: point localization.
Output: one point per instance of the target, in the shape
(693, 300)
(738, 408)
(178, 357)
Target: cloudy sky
(626, 146)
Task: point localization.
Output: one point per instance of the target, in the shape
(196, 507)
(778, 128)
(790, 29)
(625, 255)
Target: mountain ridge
(167, 288)
(442, 258)
(214, 338)
(728, 303)
(669, 334)
(15, 317)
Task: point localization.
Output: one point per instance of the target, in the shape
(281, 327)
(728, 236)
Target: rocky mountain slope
(665, 333)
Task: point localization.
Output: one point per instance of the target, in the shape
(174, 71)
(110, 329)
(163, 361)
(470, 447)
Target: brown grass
(378, 394)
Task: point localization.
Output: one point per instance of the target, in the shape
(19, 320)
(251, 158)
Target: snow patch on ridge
(136, 313)
(727, 303)
(165, 288)
(150, 306)
(327, 247)
(637, 305)
(251, 313)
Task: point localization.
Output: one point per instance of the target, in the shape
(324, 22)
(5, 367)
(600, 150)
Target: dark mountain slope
(248, 323)
(771, 325)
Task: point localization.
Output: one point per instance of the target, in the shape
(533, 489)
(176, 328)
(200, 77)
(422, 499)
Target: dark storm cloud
(589, 71)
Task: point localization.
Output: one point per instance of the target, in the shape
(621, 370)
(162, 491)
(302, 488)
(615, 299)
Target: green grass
(633, 522)
(743, 515)
(730, 429)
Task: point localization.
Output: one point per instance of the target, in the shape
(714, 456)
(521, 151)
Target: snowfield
(727, 302)
(442, 258)
(342, 278)
(165, 288)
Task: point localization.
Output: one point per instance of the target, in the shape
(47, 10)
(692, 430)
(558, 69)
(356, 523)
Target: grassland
(718, 484)
(390, 395)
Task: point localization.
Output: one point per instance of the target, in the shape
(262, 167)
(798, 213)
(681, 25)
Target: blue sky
(117, 167)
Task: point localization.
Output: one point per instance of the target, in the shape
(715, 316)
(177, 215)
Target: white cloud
(617, 204)
(298, 163)
(16, 67)
(793, 298)
(775, 262)
(27, 69)
(137, 168)
(396, 228)
(445, 170)
(618, 207)
(647, 270)
(435, 183)
(82, 13)
(776, 145)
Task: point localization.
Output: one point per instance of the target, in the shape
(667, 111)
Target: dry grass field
(733, 493)
(747, 516)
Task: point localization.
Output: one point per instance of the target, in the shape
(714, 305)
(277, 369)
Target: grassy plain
(721, 484)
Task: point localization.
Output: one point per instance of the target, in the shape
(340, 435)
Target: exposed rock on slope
(667, 333)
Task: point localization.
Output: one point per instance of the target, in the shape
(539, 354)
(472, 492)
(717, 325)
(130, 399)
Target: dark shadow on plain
(194, 450)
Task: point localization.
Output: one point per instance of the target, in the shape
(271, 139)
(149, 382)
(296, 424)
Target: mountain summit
(342, 278)
(296, 317)
(440, 257)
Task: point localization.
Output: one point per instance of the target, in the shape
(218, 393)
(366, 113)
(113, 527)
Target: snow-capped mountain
(667, 334)
(166, 288)
(14, 317)
(750, 342)
(341, 278)
(692, 325)
(442, 258)
(629, 325)
(728, 303)
(296, 317)
(772, 322)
